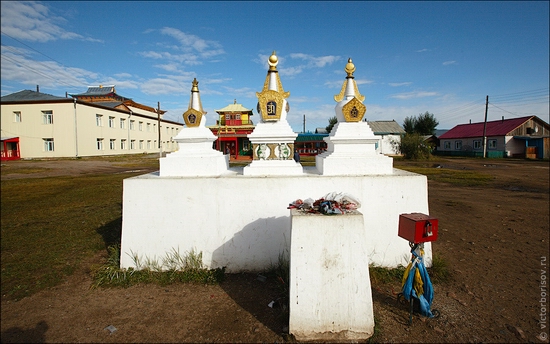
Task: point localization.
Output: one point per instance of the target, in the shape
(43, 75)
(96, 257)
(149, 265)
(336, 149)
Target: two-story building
(39, 125)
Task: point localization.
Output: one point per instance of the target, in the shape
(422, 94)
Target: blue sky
(410, 57)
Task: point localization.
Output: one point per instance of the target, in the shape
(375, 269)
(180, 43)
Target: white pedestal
(330, 290)
(351, 150)
(273, 163)
(195, 156)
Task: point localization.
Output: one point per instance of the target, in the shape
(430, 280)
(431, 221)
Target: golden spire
(195, 87)
(350, 68)
(273, 61)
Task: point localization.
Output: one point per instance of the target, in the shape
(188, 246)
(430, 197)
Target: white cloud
(18, 65)
(33, 21)
(410, 95)
(446, 63)
(313, 61)
(398, 84)
(422, 50)
(192, 42)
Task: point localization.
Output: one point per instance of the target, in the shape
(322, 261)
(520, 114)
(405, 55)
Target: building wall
(385, 144)
(75, 130)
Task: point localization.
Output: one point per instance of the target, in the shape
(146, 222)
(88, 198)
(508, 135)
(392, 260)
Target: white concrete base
(273, 168)
(242, 222)
(330, 289)
(351, 150)
(204, 166)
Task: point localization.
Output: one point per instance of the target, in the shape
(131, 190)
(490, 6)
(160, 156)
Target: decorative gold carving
(270, 96)
(354, 110)
(357, 94)
(272, 147)
(285, 152)
(260, 151)
(340, 96)
(350, 69)
(267, 96)
(192, 118)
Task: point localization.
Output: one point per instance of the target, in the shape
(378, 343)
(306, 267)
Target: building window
(148, 126)
(112, 144)
(154, 128)
(17, 116)
(47, 117)
(140, 144)
(98, 120)
(492, 144)
(132, 124)
(238, 117)
(48, 145)
(111, 122)
(122, 123)
(122, 144)
(447, 144)
(132, 144)
(477, 144)
(155, 144)
(99, 143)
(458, 145)
(148, 144)
(140, 126)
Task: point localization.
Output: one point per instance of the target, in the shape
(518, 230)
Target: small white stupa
(195, 155)
(273, 138)
(351, 145)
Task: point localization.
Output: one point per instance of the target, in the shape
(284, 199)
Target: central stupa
(273, 138)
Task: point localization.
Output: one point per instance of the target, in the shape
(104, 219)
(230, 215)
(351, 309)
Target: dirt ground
(494, 239)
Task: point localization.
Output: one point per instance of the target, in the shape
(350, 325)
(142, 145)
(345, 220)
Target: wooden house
(523, 137)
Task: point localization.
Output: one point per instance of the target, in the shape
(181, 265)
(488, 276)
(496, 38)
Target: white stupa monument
(273, 138)
(195, 155)
(351, 145)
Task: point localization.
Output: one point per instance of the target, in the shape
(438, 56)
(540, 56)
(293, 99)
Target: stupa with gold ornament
(195, 155)
(273, 139)
(351, 145)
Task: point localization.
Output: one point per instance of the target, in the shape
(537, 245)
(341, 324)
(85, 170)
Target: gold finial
(234, 101)
(350, 67)
(273, 61)
(195, 87)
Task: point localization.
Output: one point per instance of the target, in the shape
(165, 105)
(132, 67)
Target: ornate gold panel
(192, 118)
(354, 110)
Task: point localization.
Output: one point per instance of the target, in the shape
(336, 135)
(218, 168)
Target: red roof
(494, 128)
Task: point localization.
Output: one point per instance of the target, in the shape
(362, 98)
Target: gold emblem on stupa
(354, 110)
(193, 117)
(270, 102)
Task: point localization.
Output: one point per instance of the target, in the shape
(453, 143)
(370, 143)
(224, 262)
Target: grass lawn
(49, 225)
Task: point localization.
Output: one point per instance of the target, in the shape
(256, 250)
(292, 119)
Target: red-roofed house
(524, 137)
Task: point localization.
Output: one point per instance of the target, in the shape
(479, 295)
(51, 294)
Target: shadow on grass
(19, 335)
(111, 232)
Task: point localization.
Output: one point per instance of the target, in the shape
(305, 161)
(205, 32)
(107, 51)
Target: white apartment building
(38, 125)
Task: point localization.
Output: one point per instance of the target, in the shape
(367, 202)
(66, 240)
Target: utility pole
(304, 130)
(160, 143)
(485, 128)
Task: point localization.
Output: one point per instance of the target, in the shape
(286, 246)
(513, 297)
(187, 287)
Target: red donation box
(418, 227)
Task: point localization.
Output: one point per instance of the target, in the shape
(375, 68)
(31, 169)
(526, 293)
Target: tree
(331, 122)
(412, 144)
(424, 124)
